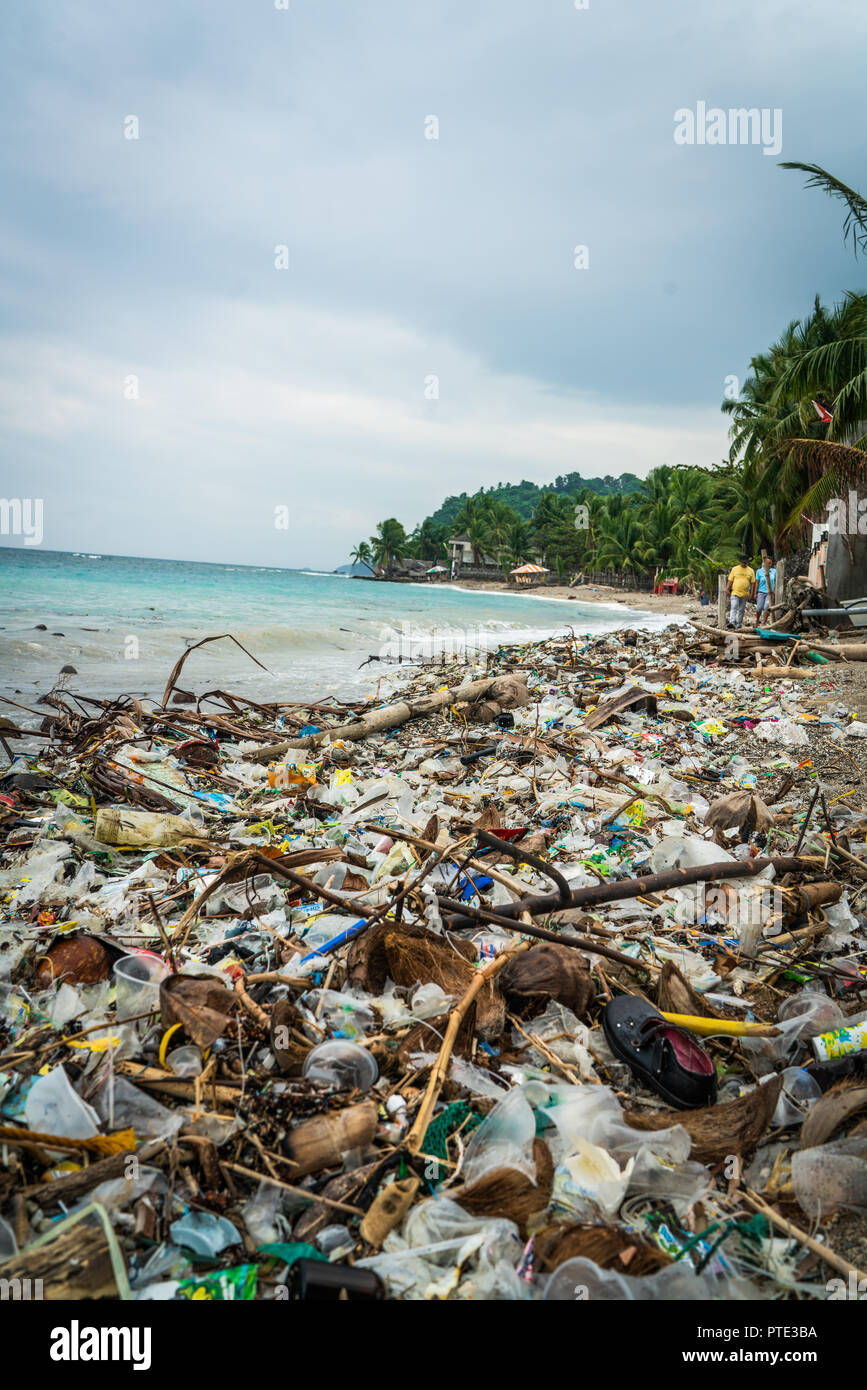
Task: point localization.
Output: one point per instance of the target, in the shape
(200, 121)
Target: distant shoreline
(601, 594)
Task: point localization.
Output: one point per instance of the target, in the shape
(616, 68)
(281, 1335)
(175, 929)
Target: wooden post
(779, 599)
(721, 601)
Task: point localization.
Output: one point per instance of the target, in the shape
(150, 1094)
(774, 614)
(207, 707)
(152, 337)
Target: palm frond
(855, 225)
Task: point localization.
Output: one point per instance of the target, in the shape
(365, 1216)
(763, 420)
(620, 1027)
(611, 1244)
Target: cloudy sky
(165, 383)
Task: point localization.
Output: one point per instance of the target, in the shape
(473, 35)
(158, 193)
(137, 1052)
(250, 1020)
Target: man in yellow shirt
(740, 582)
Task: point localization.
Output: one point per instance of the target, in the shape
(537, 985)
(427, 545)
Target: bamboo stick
(415, 1138)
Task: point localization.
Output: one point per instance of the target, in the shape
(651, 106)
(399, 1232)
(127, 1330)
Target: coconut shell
(78, 960)
(675, 995)
(545, 972)
(831, 1111)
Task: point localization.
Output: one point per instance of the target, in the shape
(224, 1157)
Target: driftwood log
(378, 720)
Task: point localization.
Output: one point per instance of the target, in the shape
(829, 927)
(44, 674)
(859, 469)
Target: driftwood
(76, 1265)
(634, 699)
(627, 888)
(752, 642)
(391, 717)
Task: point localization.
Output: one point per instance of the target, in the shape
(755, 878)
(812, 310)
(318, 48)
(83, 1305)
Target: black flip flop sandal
(666, 1058)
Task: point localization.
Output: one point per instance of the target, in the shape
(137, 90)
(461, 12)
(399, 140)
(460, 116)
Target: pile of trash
(542, 977)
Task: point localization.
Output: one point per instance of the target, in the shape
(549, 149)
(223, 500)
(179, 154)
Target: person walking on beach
(738, 589)
(765, 588)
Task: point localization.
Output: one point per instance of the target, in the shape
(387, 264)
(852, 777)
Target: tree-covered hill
(524, 497)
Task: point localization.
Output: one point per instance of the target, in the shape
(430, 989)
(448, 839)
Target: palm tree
(362, 555)
(390, 543)
(429, 540)
(478, 535)
(792, 461)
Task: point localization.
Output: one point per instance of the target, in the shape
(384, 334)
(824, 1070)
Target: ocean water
(122, 623)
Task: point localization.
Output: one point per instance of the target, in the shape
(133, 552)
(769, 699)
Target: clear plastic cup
(186, 1061)
(342, 1064)
(138, 980)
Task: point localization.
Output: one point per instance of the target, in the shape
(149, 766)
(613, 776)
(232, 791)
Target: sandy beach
(682, 604)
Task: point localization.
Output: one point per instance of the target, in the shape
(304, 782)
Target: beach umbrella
(524, 573)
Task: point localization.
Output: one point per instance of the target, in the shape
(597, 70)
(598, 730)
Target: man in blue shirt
(764, 599)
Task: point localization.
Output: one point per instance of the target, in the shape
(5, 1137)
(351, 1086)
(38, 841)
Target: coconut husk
(510, 692)
(367, 960)
(411, 955)
(742, 810)
(735, 1127)
(675, 995)
(483, 712)
(545, 972)
(831, 1111)
(412, 960)
(289, 1051)
(604, 1245)
(509, 1193)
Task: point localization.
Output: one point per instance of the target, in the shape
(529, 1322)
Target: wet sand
(682, 604)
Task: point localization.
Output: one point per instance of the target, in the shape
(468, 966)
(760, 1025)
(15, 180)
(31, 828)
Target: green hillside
(524, 497)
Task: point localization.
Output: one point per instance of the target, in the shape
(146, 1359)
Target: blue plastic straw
(336, 941)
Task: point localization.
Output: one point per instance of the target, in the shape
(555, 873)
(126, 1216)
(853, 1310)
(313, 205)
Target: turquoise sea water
(122, 622)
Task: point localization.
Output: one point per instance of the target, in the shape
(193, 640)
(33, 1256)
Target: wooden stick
(415, 1138)
(835, 1261)
(296, 1191)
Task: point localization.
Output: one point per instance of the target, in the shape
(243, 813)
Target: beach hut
(528, 574)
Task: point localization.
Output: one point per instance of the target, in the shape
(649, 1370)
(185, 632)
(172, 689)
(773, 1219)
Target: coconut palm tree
(390, 543)
(362, 555)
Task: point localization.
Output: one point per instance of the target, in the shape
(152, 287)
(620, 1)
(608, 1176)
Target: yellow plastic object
(94, 1045)
(164, 1041)
(722, 1027)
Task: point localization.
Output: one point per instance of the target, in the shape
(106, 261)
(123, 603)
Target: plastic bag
(504, 1139)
